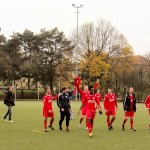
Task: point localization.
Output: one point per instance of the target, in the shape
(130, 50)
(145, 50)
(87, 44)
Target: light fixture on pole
(76, 54)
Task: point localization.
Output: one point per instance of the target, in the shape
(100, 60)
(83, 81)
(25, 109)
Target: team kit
(90, 104)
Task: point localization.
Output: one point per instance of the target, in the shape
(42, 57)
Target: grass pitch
(26, 133)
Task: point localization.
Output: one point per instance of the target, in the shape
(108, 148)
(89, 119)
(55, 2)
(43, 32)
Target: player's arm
(59, 102)
(55, 97)
(116, 103)
(147, 102)
(79, 90)
(96, 84)
(105, 103)
(83, 104)
(80, 108)
(98, 106)
(124, 103)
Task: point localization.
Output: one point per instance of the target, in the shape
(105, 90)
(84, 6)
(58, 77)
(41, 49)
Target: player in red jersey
(91, 101)
(110, 106)
(129, 105)
(83, 93)
(47, 108)
(147, 104)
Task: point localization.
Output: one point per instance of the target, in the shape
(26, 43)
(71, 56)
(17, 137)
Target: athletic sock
(112, 120)
(89, 126)
(45, 123)
(108, 121)
(51, 122)
(86, 123)
(125, 120)
(131, 123)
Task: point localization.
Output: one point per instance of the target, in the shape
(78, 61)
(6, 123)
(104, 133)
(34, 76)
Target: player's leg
(113, 113)
(45, 115)
(67, 120)
(7, 113)
(62, 115)
(89, 122)
(82, 116)
(10, 113)
(127, 115)
(45, 124)
(131, 121)
(108, 118)
(92, 120)
(51, 120)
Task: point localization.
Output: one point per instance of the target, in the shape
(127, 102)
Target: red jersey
(84, 93)
(90, 102)
(147, 102)
(131, 102)
(110, 102)
(47, 101)
(99, 97)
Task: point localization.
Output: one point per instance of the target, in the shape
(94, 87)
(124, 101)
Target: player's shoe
(46, 130)
(4, 119)
(67, 130)
(11, 121)
(132, 130)
(123, 127)
(110, 128)
(51, 127)
(90, 134)
(79, 125)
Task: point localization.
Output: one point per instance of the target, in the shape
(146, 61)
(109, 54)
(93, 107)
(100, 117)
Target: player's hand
(62, 109)
(50, 111)
(116, 108)
(106, 110)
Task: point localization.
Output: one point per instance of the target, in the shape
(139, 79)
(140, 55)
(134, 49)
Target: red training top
(47, 101)
(110, 102)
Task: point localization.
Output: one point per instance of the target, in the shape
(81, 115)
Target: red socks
(89, 125)
(125, 120)
(45, 123)
(131, 123)
(112, 120)
(108, 121)
(51, 121)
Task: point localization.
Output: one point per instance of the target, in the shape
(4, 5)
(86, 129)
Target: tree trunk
(28, 82)
(51, 84)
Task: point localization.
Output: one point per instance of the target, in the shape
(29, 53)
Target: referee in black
(64, 105)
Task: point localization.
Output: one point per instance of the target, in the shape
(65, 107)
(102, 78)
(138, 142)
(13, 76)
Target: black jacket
(9, 100)
(126, 103)
(63, 101)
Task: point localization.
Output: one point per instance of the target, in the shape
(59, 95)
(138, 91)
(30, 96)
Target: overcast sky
(130, 17)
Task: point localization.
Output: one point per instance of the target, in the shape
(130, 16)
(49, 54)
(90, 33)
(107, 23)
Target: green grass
(28, 117)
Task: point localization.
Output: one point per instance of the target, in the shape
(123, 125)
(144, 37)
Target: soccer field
(26, 133)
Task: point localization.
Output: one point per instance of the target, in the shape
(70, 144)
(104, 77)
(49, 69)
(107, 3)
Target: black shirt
(63, 101)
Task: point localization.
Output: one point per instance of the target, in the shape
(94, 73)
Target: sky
(129, 17)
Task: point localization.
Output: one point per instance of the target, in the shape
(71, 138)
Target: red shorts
(47, 114)
(110, 112)
(84, 111)
(90, 114)
(129, 114)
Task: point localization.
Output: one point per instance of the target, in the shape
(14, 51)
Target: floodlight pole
(76, 53)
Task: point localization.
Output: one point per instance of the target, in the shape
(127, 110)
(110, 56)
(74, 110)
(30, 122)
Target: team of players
(90, 104)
